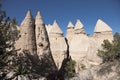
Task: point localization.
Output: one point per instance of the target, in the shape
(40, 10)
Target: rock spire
(70, 32)
(79, 27)
(28, 19)
(102, 27)
(102, 32)
(39, 20)
(55, 28)
(78, 24)
(70, 25)
(27, 35)
(81, 47)
(57, 44)
(43, 45)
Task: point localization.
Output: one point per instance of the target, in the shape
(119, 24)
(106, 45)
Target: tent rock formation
(82, 48)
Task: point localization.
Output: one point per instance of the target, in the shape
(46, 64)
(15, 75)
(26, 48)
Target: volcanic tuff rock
(79, 44)
(57, 44)
(34, 38)
(102, 27)
(27, 35)
(81, 47)
(70, 32)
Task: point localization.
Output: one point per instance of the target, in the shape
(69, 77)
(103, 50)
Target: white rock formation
(79, 27)
(57, 44)
(101, 32)
(34, 38)
(81, 47)
(40, 34)
(79, 44)
(48, 28)
(70, 32)
(43, 45)
(102, 27)
(27, 35)
(56, 29)
(70, 25)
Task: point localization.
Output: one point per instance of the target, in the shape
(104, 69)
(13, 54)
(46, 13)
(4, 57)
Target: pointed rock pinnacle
(39, 19)
(28, 15)
(56, 29)
(102, 26)
(78, 24)
(70, 25)
(28, 19)
(43, 46)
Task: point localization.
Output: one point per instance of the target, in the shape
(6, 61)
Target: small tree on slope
(111, 51)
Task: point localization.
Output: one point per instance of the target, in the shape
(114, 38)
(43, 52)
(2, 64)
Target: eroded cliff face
(34, 39)
(82, 47)
(43, 46)
(49, 41)
(58, 44)
(27, 39)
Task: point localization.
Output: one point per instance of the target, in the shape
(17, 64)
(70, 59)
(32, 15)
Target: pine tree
(111, 51)
(8, 36)
(70, 68)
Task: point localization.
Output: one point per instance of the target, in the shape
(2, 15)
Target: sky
(88, 11)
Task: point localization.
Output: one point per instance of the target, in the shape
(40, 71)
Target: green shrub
(110, 51)
(70, 68)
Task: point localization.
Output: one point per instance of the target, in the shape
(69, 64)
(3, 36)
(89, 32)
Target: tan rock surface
(70, 32)
(81, 47)
(43, 45)
(79, 27)
(55, 29)
(27, 35)
(48, 28)
(57, 44)
(101, 26)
